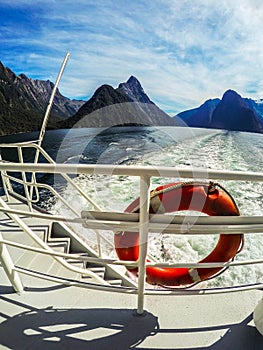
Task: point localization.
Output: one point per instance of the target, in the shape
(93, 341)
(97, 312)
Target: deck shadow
(239, 336)
(102, 328)
(106, 328)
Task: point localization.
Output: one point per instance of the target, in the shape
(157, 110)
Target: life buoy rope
(209, 198)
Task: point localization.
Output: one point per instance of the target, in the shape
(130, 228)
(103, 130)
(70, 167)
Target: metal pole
(8, 266)
(144, 223)
(45, 120)
(50, 103)
(258, 316)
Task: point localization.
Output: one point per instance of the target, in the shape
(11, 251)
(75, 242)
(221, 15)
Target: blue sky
(182, 51)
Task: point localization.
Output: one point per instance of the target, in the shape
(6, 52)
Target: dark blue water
(115, 145)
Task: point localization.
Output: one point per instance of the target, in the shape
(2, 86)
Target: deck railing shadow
(49, 328)
(240, 336)
(106, 328)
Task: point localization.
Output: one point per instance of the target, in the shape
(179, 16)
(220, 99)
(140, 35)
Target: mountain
(126, 105)
(23, 102)
(40, 91)
(133, 90)
(232, 112)
(201, 116)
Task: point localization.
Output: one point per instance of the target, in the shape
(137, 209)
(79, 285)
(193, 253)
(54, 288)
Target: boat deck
(48, 315)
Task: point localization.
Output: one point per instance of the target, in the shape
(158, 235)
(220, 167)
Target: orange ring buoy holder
(209, 198)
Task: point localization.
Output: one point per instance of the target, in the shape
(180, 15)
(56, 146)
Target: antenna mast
(50, 103)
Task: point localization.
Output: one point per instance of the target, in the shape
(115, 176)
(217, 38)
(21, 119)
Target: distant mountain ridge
(23, 102)
(232, 112)
(40, 91)
(126, 105)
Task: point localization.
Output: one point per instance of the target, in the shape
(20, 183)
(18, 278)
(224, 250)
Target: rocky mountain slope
(126, 105)
(133, 90)
(23, 102)
(232, 112)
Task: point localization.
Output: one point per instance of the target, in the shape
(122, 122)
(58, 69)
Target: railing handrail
(112, 261)
(133, 170)
(130, 221)
(132, 290)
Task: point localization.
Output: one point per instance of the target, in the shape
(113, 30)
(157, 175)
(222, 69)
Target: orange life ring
(210, 199)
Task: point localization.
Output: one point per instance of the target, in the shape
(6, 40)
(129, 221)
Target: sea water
(166, 146)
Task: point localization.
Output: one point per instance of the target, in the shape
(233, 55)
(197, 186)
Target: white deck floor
(50, 316)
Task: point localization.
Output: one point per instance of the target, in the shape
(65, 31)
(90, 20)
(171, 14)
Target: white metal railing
(33, 182)
(130, 170)
(31, 186)
(27, 230)
(143, 222)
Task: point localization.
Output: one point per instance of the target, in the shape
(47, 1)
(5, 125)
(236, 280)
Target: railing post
(21, 160)
(8, 266)
(144, 223)
(258, 316)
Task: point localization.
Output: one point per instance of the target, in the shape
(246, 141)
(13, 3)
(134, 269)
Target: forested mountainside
(23, 102)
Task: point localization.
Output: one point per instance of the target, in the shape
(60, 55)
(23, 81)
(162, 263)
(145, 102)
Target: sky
(182, 51)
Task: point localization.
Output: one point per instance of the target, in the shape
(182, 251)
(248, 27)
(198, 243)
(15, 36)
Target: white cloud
(183, 52)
